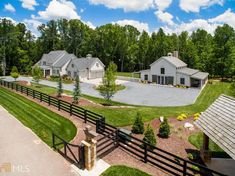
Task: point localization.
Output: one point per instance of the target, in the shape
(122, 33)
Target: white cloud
(126, 5)
(163, 4)
(32, 23)
(227, 17)
(196, 5)
(29, 4)
(9, 18)
(88, 23)
(59, 9)
(9, 7)
(165, 17)
(138, 25)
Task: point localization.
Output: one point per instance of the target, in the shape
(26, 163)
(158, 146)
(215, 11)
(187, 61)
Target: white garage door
(96, 74)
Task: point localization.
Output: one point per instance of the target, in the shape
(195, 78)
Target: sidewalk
(22, 153)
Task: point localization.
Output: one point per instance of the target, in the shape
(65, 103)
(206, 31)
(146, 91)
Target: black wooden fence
(73, 153)
(113, 138)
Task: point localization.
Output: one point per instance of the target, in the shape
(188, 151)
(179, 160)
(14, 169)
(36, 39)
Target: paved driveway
(137, 94)
(24, 154)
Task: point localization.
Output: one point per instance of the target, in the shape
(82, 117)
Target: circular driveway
(136, 93)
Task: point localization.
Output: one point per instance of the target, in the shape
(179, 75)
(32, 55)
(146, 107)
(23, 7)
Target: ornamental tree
(14, 73)
(77, 90)
(138, 126)
(59, 87)
(164, 130)
(37, 74)
(149, 136)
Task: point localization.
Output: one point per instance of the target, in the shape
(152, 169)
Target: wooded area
(126, 46)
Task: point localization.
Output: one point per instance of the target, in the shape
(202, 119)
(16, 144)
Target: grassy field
(123, 170)
(127, 74)
(126, 116)
(39, 119)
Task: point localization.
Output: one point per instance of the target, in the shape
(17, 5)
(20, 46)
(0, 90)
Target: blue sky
(149, 15)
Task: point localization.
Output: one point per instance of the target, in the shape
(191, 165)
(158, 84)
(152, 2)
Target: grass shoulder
(36, 117)
(120, 170)
(128, 74)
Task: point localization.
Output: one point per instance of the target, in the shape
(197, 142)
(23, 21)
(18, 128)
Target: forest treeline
(126, 46)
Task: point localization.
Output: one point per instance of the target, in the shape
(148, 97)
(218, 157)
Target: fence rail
(113, 137)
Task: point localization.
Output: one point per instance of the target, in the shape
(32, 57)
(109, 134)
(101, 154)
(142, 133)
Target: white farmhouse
(170, 70)
(61, 63)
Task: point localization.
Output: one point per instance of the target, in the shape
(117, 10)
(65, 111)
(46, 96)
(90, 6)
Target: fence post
(81, 153)
(145, 153)
(71, 109)
(49, 100)
(117, 138)
(12, 86)
(27, 91)
(8, 84)
(85, 116)
(185, 169)
(40, 96)
(53, 140)
(21, 89)
(65, 148)
(58, 103)
(16, 87)
(97, 125)
(33, 94)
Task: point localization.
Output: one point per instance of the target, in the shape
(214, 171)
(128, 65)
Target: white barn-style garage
(170, 70)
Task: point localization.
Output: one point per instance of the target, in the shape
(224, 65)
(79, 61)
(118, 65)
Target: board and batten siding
(170, 70)
(186, 79)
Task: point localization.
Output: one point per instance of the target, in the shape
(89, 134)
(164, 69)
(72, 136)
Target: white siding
(170, 70)
(186, 78)
(97, 67)
(143, 73)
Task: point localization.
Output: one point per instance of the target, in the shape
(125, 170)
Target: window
(44, 63)
(58, 72)
(162, 70)
(69, 73)
(182, 81)
(75, 74)
(97, 64)
(146, 77)
(72, 65)
(54, 71)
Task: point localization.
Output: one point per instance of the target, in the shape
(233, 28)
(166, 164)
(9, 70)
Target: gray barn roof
(53, 56)
(200, 75)
(63, 60)
(218, 123)
(187, 71)
(175, 61)
(85, 62)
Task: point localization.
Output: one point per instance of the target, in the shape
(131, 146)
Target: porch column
(205, 152)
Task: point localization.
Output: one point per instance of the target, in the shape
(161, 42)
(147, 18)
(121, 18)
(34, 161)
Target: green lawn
(127, 74)
(123, 171)
(126, 116)
(39, 119)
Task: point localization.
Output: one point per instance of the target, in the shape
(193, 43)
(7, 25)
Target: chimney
(176, 54)
(88, 56)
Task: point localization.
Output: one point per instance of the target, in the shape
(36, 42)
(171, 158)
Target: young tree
(77, 90)
(164, 130)
(60, 87)
(37, 74)
(14, 72)
(109, 88)
(138, 126)
(149, 136)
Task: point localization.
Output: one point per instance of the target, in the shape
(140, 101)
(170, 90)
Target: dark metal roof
(218, 123)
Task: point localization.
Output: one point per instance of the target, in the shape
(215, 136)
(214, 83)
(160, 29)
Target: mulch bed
(177, 143)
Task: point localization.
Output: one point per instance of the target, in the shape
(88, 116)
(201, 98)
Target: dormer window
(163, 71)
(44, 63)
(72, 65)
(97, 64)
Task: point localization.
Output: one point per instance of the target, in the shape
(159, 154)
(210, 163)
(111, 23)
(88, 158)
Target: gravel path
(136, 93)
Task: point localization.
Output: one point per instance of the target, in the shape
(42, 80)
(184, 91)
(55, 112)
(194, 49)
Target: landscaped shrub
(77, 90)
(149, 136)
(14, 72)
(196, 116)
(138, 126)
(182, 117)
(164, 130)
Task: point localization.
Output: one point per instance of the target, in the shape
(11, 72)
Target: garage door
(96, 74)
(169, 80)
